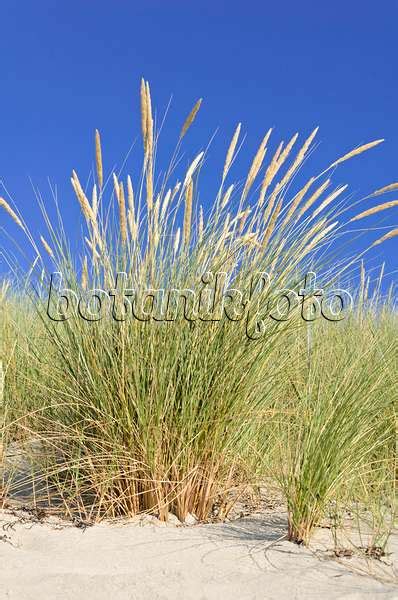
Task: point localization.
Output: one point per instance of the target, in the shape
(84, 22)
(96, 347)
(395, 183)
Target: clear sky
(69, 67)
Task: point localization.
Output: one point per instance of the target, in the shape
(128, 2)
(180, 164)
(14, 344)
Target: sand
(142, 559)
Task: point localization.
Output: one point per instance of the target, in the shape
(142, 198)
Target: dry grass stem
(328, 200)
(320, 236)
(94, 201)
(200, 225)
(92, 247)
(313, 198)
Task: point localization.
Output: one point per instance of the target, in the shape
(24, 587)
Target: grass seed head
(387, 188)
(188, 212)
(190, 118)
(375, 209)
(388, 236)
(98, 159)
(47, 247)
(355, 152)
(4, 204)
(231, 151)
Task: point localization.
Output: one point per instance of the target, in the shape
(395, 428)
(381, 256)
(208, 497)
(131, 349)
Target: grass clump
(175, 411)
(340, 441)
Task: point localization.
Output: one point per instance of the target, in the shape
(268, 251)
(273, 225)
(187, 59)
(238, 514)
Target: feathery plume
(231, 151)
(387, 188)
(256, 164)
(227, 223)
(122, 213)
(188, 213)
(175, 191)
(243, 219)
(119, 193)
(270, 173)
(47, 247)
(282, 156)
(98, 159)
(149, 122)
(270, 206)
(149, 150)
(132, 225)
(227, 196)
(271, 225)
(165, 204)
(387, 236)
(84, 280)
(177, 241)
(11, 212)
(82, 198)
(144, 115)
(116, 186)
(296, 201)
(285, 153)
(374, 210)
(225, 234)
(250, 239)
(190, 118)
(130, 195)
(355, 152)
(192, 169)
(299, 158)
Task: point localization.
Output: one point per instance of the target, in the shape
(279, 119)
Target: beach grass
(119, 415)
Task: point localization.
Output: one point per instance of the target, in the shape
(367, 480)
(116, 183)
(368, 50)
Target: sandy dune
(244, 559)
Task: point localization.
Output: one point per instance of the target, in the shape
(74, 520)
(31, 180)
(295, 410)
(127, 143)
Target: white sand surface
(243, 559)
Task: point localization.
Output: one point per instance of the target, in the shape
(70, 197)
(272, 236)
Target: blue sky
(69, 67)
